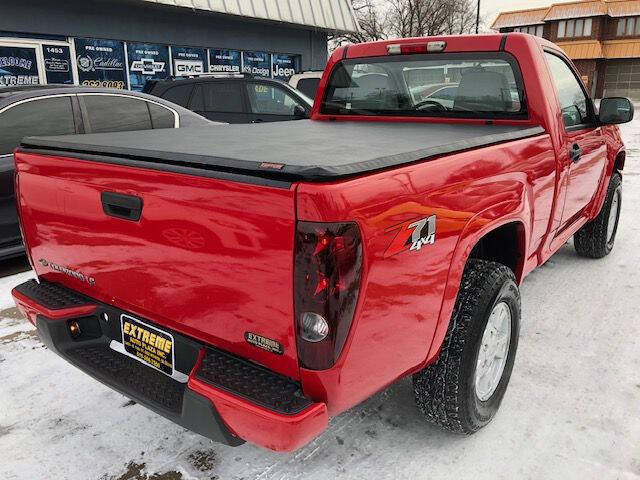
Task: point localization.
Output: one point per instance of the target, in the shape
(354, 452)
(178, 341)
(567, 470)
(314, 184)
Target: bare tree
(373, 25)
(461, 18)
(382, 19)
(419, 18)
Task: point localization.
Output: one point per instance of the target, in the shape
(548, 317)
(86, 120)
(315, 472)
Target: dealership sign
(18, 66)
(147, 61)
(57, 64)
(188, 61)
(284, 66)
(225, 61)
(257, 63)
(100, 63)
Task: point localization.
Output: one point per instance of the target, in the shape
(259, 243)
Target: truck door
(584, 153)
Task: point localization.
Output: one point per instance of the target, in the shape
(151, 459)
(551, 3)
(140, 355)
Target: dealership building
(602, 37)
(124, 43)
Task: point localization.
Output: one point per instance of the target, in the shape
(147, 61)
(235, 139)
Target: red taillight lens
(328, 261)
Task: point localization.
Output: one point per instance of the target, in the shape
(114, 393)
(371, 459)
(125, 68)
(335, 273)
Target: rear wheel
(596, 238)
(462, 390)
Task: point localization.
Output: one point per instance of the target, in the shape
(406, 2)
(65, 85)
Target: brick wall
(587, 69)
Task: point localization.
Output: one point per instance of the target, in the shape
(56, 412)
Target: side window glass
(109, 113)
(308, 86)
(48, 116)
(222, 97)
(573, 101)
(161, 117)
(270, 100)
(178, 95)
(197, 100)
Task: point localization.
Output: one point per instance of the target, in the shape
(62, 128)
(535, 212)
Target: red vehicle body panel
(405, 301)
(200, 242)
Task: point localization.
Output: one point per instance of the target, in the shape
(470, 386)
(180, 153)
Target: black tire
(592, 240)
(445, 391)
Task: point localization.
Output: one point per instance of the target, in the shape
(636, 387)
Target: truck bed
(288, 151)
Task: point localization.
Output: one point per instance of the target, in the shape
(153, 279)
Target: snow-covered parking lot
(572, 409)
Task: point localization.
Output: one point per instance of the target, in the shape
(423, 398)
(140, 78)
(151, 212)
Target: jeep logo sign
(278, 71)
(285, 65)
(188, 67)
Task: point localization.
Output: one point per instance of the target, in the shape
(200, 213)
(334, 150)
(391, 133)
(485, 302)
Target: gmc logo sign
(189, 67)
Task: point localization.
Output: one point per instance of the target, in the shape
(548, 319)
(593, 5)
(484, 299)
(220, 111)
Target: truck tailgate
(210, 258)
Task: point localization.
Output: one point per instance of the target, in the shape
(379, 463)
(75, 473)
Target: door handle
(575, 152)
(126, 207)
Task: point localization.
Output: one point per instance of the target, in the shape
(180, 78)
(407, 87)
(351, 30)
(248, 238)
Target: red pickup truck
(250, 281)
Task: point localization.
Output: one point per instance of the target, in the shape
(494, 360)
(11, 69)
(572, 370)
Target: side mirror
(614, 110)
(299, 112)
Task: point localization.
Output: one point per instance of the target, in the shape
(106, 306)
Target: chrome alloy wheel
(613, 215)
(494, 350)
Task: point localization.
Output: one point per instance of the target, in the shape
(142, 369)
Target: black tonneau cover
(296, 150)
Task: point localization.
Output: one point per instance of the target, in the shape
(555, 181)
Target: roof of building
(328, 15)
(582, 50)
(621, 48)
(560, 11)
(533, 16)
(623, 8)
(579, 9)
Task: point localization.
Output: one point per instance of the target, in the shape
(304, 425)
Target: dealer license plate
(149, 344)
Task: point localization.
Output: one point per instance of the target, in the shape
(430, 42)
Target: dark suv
(57, 110)
(236, 98)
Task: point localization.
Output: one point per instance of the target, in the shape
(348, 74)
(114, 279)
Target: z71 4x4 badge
(412, 235)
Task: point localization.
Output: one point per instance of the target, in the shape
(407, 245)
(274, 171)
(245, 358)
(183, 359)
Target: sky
(489, 9)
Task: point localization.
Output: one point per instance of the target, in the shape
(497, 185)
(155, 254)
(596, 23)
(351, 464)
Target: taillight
(328, 261)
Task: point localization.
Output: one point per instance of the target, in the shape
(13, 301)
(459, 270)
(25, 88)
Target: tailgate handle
(127, 207)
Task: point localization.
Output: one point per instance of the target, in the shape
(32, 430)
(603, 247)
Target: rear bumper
(217, 395)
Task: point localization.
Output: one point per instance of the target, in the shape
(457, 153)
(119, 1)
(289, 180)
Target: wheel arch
(618, 163)
(478, 232)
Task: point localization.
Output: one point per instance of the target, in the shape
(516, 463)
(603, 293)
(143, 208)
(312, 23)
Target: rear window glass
(450, 85)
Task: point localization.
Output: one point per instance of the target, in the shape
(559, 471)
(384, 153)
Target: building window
(531, 30)
(580, 27)
(628, 26)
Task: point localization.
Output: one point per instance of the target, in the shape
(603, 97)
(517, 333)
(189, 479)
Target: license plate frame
(148, 344)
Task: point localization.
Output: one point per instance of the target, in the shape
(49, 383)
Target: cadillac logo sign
(85, 63)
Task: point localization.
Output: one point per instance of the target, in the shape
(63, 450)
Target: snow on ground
(572, 409)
